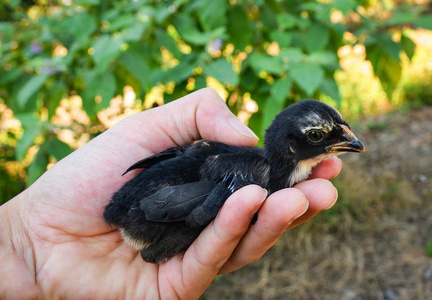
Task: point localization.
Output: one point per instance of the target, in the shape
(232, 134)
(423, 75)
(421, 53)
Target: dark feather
(163, 209)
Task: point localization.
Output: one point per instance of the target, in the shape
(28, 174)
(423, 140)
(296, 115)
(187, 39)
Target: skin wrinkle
(180, 126)
(141, 143)
(58, 271)
(29, 257)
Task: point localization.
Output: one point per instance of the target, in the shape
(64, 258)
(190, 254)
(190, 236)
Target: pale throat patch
(304, 168)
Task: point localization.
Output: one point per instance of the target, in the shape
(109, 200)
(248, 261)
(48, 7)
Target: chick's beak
(350, 143)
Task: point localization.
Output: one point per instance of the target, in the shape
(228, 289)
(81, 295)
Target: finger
(274, 217)
(321, 195)
(209, 252)
(327, 169)
(202, 114)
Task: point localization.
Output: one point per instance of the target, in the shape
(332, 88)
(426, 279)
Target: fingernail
(241, 128)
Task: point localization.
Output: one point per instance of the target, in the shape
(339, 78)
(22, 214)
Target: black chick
(164, 208)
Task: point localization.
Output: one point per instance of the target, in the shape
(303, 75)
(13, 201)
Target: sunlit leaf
(331, 89)
(408, 46)
(38, 166)
(121, 21)
(88, 2)
(26, 140)
(134, 33)
(137, 65)
(324, 58)
(267, 63)
(106, 88)
(56, 93)
(106, 48)
(282, 38)
(424, 22)
(392, 48)
(179, 73)
(275, 103)
(308, 77)
(81, 25)
(316, 38)
(291, 56)
(212, 14)
(286, 20)
(165, 40)
(345, 5)
(189, 31)
(222, 71)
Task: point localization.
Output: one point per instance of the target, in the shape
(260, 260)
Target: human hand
(60, 246)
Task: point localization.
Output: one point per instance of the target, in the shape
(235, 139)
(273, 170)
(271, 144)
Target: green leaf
(330, 88)
(401, 18)
(263, 62)
(89, 92)
(424, 22)
(325, 58)
(30, 88)
(10, 75)
(345, 5)
(222, 71)
(392, 48)
(240, 28)
(57, 148)
(28, 120)
(189, 31)
(408, 46)
(308, 77)
(165, 40)
(429, 249)
(275, 103)
(81, 25)
(134, 33)
(179, 73)
(7, 30)
(138, 66)
(26, 141)
(317, 37)
(291, 56)
(97, 84)
(55, 94)
(106, 88)
(121, 22)
(106, 48)
(282, 38)
(212, 14)
(286, 21)
(200, 82)
(38, 166)
(268, 17)
(389, 73)
(280, 89)
(88, 2)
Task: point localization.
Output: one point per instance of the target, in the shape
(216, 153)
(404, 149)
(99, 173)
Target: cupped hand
(60, 247)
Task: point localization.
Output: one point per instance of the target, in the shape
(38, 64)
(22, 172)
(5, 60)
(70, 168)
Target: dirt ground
(372, 243)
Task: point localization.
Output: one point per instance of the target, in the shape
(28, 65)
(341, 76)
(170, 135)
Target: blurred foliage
(274, 52)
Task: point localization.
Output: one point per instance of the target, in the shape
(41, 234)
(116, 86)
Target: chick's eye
(315, 135)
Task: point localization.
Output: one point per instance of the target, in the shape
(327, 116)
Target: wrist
(16, 253)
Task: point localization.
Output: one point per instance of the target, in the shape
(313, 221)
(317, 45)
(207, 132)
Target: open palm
(73, 253)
